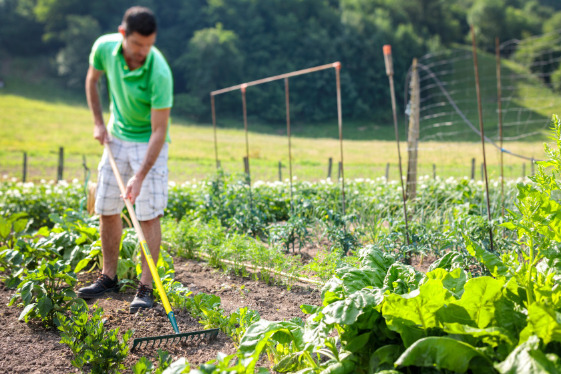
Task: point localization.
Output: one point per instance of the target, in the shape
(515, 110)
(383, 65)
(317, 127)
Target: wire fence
(526, 83)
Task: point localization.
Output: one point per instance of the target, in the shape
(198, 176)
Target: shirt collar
(118, 51)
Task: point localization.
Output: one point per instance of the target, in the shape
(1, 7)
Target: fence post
(523, 169)
(329, 167)
(280, 171)
(473, 168)
(387, 171)
(482, 171)
(60, 163)
(340, 170)
(532, 165)
(413, 135)
(246, 165)
(433, 171)
(24, 177)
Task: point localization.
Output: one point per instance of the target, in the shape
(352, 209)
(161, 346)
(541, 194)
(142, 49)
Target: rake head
(164, 340)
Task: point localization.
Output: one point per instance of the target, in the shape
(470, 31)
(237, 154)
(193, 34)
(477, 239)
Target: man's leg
(153, 234)
(110, 227)
(111, 230)
(144, 296)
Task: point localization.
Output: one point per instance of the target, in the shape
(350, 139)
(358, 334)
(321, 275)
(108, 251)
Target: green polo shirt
(135, 93)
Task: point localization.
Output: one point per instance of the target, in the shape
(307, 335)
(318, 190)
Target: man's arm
(159, 119)
(94, 102)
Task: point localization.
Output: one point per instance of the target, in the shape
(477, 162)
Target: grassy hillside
(38, 117)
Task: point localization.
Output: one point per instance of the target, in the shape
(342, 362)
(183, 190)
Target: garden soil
(30, 348)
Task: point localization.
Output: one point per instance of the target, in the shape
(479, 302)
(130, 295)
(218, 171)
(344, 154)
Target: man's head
(139, 34)
(139, 19)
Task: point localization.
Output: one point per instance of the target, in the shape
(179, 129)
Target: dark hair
(139, 19)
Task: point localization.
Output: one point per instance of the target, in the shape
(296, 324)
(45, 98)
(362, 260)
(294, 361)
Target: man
(140, 89)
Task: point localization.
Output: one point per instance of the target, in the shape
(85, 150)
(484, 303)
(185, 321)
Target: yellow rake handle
(142, 240)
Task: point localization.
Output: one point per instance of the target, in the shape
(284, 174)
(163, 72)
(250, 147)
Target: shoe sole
(96, 296)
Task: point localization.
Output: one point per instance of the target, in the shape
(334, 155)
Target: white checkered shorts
(153, 196)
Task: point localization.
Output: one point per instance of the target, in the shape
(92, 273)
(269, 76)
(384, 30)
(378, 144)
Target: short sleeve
(162, 89)
(96, 57)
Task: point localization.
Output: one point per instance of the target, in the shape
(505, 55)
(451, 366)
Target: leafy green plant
(93, 346)
(46, 292)
(145, 366)
(19, 250)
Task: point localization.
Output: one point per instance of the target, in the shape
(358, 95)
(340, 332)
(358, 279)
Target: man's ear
(122, 30)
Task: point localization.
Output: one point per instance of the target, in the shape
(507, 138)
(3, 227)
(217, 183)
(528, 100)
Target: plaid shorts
(153, 196)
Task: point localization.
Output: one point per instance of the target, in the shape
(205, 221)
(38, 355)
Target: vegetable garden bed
(43, 352)
(471, 311)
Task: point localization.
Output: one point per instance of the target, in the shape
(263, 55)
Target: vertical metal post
(473, 168)
(244, 108)
(329, 167)
(214, 129)
(480, 110)
(60, 163)
(500, 114)
(280, 171)
(24, 176)
(288, 134)
(337, 67)
(413, 135)
(389, 72)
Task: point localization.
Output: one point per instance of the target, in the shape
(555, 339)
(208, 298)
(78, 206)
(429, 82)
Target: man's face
(136, 47)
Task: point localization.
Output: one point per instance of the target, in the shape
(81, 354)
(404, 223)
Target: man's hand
(100, 134)
(133, 188)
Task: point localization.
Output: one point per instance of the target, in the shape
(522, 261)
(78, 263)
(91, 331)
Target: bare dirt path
(30, 348)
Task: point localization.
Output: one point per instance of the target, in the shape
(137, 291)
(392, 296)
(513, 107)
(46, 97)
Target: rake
(155, 341)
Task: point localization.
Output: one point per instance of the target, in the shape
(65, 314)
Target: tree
(72, 59)
(212, 60)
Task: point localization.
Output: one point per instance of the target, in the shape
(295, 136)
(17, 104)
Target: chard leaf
(447, 262)
(346, 311)
(412, 314)
(358, 342)
(544, 323)
(479, 298)
(256, 337)
(402, 278)
(491, 262)
(445, 353)
(528, 358)
(288, 363)
(316, 330)
(374, 258)
(309, 309)
(492, 336)
(384, 357)
(357, 279)
(453, 281)
(334, 286)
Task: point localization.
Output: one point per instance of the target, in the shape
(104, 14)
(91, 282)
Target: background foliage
(212, 44)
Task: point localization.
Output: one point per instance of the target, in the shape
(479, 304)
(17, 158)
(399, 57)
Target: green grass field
(38, 117)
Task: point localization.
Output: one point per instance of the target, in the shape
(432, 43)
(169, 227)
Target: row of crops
(473, 310)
